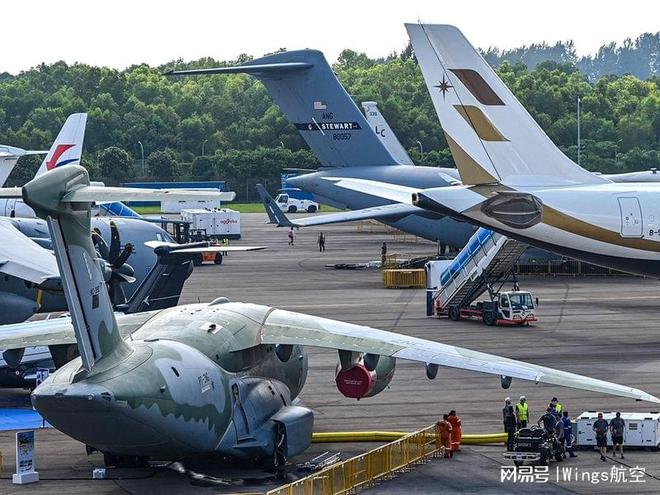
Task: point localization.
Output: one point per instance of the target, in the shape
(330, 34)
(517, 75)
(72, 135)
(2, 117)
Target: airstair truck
(484, 264)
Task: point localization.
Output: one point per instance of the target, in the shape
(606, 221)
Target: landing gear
(277, 460)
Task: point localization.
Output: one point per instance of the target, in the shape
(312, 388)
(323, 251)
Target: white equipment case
(217, 222)
(642, 429)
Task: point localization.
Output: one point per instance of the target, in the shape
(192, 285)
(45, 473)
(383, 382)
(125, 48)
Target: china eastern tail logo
(55, 162)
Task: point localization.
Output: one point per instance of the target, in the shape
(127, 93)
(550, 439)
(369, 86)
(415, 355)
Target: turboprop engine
(363, 375)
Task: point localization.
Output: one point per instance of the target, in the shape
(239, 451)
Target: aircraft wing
(277, 216)
(23, 258)
(58, 331)
(286, 327)
(192, 248)
(393, 192)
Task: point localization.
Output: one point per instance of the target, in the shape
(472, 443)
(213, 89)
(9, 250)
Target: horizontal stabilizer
(245, 69)
(195, 247)
(393, 192)
(23, 258)
(104, 194)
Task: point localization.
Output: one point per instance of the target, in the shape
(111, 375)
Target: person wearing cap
(505, 410)
(600, 427)
(556, 407)
(522, 412)
(617, 427)
(510, 425)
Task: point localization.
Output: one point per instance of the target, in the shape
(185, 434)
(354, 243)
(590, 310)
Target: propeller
(116, 270)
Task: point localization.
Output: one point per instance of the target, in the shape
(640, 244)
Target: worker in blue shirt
(568, 434)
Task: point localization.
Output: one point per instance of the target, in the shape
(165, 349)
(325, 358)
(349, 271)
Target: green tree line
(227, 127)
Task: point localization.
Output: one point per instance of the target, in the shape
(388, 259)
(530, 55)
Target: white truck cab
(516, 307)
(292, 205)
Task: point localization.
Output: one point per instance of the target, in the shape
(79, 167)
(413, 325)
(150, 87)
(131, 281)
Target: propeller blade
(101, 245)
(114, 242)
(124, 255)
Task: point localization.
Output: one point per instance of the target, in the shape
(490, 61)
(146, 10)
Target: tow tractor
(487, 260)
(514, 307)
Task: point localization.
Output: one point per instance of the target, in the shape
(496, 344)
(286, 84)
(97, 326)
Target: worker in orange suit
(444, 428)
(456, 432)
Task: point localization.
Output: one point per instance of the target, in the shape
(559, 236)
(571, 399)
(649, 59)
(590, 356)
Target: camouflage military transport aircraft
(200, 378)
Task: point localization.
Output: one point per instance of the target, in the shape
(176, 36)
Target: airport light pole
(421, 150)
(144, 173)
(578, 129)
(203, 143)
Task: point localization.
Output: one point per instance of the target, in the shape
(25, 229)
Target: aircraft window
(176, 372)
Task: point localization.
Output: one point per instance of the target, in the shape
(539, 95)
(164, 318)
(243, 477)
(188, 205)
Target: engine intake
(359, 381)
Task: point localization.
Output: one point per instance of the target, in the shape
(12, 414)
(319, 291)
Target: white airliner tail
(67, 147)
(491, 136)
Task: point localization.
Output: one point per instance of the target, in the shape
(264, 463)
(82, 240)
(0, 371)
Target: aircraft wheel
(454, 313)
(311, 209)
(292, 209)
(218, 259)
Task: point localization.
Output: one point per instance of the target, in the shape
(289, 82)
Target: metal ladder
(487, 258)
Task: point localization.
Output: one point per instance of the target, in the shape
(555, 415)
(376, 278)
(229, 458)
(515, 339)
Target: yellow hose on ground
(390, 436)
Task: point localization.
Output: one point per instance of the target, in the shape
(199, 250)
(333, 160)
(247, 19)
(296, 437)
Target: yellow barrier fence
(406, 451)
(404, 279)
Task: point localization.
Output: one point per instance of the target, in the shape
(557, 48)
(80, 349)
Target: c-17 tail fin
(309, 93)
(491, 136)
(67, 147)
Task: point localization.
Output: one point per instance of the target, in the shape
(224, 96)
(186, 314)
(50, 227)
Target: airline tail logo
(59, 151)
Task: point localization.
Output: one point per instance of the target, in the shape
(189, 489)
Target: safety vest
(558, 408)
(522, 411)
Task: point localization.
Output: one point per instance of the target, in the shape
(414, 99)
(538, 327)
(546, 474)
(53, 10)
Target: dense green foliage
(227, 127)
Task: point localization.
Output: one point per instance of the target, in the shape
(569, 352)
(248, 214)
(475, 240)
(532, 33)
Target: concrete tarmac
(604, 327)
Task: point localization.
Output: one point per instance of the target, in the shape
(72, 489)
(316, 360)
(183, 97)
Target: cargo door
(631, 217)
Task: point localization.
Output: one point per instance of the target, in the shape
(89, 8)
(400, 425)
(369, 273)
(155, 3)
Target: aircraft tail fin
(275, 215)
(491, 136)
(311, 96)
(9, 156)
(385, 133)
(67, 147)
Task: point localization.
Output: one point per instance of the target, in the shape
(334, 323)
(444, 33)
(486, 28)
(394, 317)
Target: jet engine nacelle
(360, 381)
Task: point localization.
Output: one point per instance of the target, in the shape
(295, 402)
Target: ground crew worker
(556, 407)
(321, 242)
(444, 427)
(505, 409)
(456, 431)
(568, 434)
(549, 421)
(225, 243)
(383, 253)
(522, 412)
(510, 424)
(600, 427)
(291, 236)
(617, 427)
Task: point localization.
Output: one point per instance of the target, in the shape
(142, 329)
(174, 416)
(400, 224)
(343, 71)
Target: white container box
(642, 429)
(217, 222)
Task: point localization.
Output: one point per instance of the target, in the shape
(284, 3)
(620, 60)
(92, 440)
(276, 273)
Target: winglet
(275, 215)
